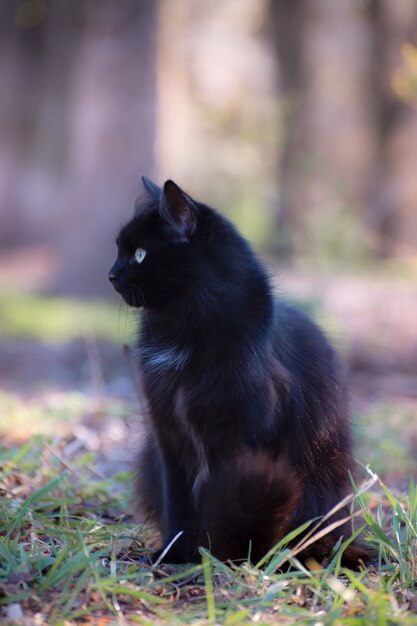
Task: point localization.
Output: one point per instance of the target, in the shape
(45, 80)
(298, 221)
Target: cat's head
(155, 251)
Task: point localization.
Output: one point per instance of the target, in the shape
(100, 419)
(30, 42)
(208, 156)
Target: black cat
(249, 432)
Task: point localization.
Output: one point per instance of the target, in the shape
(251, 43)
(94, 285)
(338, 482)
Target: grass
(52, 319)
(71, 553)
(387, 431)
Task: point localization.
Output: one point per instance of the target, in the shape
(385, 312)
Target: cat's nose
(115, 271)
(112, 276)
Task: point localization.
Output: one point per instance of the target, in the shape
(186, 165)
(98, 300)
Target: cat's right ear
(178, 210)
(153, 190)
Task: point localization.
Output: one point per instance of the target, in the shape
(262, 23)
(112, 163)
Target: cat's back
(318, 412)
(300, 343)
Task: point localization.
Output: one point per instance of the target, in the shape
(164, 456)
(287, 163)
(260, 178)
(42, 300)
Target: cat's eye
(139, 255)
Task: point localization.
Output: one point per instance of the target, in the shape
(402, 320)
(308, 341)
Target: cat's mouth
(131, 297)
(130, 294)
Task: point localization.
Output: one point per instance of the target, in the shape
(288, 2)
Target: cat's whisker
(123, 308)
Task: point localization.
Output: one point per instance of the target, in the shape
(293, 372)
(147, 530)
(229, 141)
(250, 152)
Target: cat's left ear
(153, 190)
(178, 209)
(153, 193)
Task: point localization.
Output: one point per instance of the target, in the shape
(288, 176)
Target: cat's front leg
(180, 518)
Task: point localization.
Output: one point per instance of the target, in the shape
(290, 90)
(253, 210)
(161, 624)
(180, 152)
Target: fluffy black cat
(249, 432)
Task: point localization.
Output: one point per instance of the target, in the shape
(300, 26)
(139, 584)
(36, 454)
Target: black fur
(249, 432)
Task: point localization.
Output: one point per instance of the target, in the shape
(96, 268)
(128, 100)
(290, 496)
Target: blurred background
(295, 118)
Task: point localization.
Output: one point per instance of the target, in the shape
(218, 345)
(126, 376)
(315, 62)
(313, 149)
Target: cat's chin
(132, 300)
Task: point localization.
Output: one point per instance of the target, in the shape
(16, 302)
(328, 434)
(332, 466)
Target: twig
(167, 549)
(69, 467)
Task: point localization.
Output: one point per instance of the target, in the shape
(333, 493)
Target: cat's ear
(153, 190)
(178, 209)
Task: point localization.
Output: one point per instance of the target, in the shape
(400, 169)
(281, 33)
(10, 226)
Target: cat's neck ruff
(156, 357)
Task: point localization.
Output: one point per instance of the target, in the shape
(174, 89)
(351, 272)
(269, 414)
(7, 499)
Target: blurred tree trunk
(78, 124)
(35, 66)
(287, 28)
(112, 111)
(385, 112)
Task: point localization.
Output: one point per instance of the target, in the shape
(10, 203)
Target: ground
(73, 549)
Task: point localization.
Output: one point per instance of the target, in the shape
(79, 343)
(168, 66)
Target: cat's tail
(247, 505)
(251, 502)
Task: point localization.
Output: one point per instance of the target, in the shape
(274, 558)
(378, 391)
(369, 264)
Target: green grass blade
(33, 498)
(209, 588)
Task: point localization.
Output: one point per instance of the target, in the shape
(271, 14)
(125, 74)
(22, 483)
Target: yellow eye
(140, 255)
